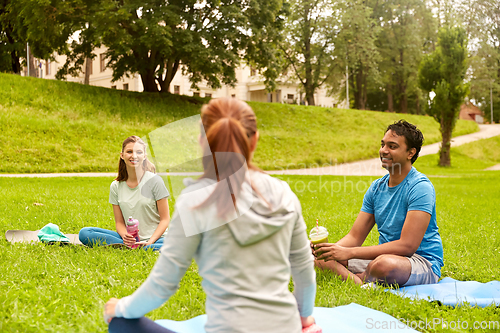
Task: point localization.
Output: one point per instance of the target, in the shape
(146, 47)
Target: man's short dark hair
(413, 137)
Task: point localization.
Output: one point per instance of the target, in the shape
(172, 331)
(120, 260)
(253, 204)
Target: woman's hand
(307, 321)
(109, 309)
(128, 239)
(143, 243)
(332, 251)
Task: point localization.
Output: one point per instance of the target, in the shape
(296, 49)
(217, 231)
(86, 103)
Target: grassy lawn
(469, 159)
(60, 127)
(50, 288)
(52, 126)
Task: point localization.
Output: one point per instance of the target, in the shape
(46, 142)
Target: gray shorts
(421, 270)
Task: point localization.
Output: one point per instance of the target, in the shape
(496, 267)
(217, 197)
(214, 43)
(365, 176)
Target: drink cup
(318, 235)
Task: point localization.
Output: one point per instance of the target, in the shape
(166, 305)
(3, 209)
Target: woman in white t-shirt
(137, 192)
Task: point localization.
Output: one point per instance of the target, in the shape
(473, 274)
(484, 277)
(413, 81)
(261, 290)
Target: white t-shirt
(140, 202)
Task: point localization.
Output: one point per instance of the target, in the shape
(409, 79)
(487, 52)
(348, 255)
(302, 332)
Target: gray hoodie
(245, 264)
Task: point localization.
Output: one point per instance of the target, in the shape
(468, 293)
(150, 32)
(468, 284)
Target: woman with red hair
(246, 232)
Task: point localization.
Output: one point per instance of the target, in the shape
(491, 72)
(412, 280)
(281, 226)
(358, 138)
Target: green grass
(52, 126)
(468, 159)
(53, 289)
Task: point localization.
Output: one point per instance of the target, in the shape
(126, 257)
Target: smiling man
(403, 206)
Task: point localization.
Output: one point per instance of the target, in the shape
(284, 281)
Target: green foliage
(407, 31)
(484, 28)
(443, 72)
(204, 39)
(45, 24)
(52, 126)
(355, 48)
(308, 48)
(12, 44)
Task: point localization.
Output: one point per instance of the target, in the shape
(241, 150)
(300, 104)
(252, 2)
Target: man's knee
(382, 266)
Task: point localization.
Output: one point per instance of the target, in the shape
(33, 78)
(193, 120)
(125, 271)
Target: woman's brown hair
(146, 164)
(229, 125)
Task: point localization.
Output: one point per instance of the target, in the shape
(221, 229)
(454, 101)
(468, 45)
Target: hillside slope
(53, 126)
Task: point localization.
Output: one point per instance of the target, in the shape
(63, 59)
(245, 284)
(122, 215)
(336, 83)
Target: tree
(308, 47)
(85, 39)
(44, 25)
(407, 29)
(205, 39)
(13, 45)
(483, 27)
(443, 72)
(356, 49)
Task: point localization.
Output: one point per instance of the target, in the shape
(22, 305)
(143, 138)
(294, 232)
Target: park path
(371, 167)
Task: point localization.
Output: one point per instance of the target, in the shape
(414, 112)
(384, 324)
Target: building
(250, 85)
(469, 111)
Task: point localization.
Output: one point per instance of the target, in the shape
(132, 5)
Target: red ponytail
(229, 126)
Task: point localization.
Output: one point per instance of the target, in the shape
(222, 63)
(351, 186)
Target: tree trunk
(15, 62)
(404, 101)
(365, 92)
(309, 85)
(444, 152)
(14, 55)
(171, 68)
(359, 90)
(149, 80)
(31, 64)
(390, 99)
(418, 104)
(88, 67)
(309, 93)
(402, 85)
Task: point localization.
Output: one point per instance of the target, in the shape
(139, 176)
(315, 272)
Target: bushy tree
(205, 39)
(309, 44)
(483, 27)
(45, 25)
(407, 31)
(443, 73)
(355, 50)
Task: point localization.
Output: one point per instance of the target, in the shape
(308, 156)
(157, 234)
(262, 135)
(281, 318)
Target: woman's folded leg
(143, 325)
(91, 236)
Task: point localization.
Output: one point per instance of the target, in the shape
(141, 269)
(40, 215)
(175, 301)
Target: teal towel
(51, 233)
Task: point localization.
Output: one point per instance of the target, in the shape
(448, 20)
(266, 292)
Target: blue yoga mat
(352, 318)
(451, 292)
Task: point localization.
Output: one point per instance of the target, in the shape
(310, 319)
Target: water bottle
(133, 229)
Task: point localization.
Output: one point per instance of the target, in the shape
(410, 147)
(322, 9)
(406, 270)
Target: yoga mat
(352, 318)
(29, 236)
(452, 292)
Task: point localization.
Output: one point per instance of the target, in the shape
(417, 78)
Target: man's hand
(332, 251)
(109, 309)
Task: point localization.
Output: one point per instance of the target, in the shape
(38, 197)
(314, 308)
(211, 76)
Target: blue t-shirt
(389, 205)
